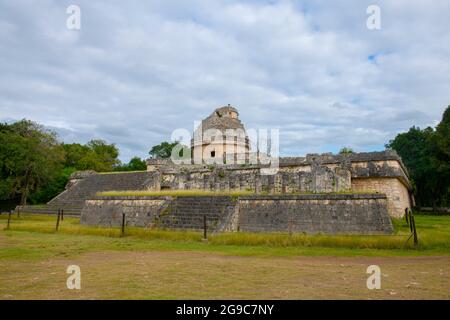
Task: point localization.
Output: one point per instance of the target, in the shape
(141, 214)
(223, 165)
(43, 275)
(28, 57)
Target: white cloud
(136, 71)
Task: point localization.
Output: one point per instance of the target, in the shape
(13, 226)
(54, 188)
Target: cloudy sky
(136, 70)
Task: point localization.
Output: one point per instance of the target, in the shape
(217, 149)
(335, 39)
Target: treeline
(426, 155)
(35, 166)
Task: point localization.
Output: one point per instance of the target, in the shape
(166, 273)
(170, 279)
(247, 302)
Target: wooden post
(9, 219)
(205, 236)
(57, 219)
(406, 216)
(416, 240)
(123, 224)
(62, 214)
(18, 212)
(410, 221)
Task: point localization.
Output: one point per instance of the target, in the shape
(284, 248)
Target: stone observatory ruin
(353, 193)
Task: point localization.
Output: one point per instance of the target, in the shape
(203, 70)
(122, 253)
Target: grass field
(179, 265)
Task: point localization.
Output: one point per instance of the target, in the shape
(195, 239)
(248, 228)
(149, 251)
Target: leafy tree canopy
(95, 155)
(35, 166)
(30, 158)
(135, 164)
(426, 154)
(345, 150)
(162, 150)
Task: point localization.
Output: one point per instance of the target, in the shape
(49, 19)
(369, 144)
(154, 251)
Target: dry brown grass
(194, 275)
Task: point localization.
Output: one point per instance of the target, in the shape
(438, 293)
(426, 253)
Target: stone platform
(308, 213)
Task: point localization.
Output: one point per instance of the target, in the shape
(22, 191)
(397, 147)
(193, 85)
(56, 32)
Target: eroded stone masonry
(350, 193)
(374, 172)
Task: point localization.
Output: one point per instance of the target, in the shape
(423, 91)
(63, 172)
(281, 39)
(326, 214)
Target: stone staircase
(186, 213)
(72, 199)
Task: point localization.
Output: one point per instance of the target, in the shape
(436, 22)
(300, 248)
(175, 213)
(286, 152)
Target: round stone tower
(220, 138)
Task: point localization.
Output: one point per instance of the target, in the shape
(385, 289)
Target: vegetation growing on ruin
(175, 193)
(204, 193)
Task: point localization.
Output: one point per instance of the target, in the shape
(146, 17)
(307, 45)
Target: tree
(346, 150)
(414, 149)
(74, 152)
(135, 164)
(162, 150)
(440, 161)
(53, 187)
(426, 154)
(30, 157)
(96, 155)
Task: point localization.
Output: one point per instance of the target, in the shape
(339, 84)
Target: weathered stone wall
(314, 173)
(378, 171)
(139, 211)
(160, 212)
(396, 192)
(287, 180)
(349, 214)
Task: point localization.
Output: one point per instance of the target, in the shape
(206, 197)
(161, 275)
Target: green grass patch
(36, 245)
(433, 231)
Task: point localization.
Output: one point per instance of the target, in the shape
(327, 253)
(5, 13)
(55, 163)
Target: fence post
(410, 221)
(62, 214)
(18, 211)
(123, 224)
(9, 219)
(416, 240)
(57, 219)
(205, 236)
(406, 216)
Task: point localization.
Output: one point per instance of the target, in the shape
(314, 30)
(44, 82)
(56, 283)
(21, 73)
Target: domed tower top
(227, 111)
(220, 135)
(223, 118)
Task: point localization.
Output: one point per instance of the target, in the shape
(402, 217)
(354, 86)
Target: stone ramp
(74, 196)
(187, 213)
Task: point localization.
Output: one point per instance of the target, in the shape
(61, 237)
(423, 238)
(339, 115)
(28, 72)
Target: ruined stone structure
(220, 138)
(345, 193)
(311, 213)
(373, 172)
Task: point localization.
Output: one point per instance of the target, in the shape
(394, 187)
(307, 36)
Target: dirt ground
(199, 275)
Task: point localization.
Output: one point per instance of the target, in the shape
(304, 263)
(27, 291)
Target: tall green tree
(30, 157)
(162, 150)
(346, 150)
(96, 155)
(53, 187)
(135, 164)
(414, 149)
(426, 154)
(440, 161)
